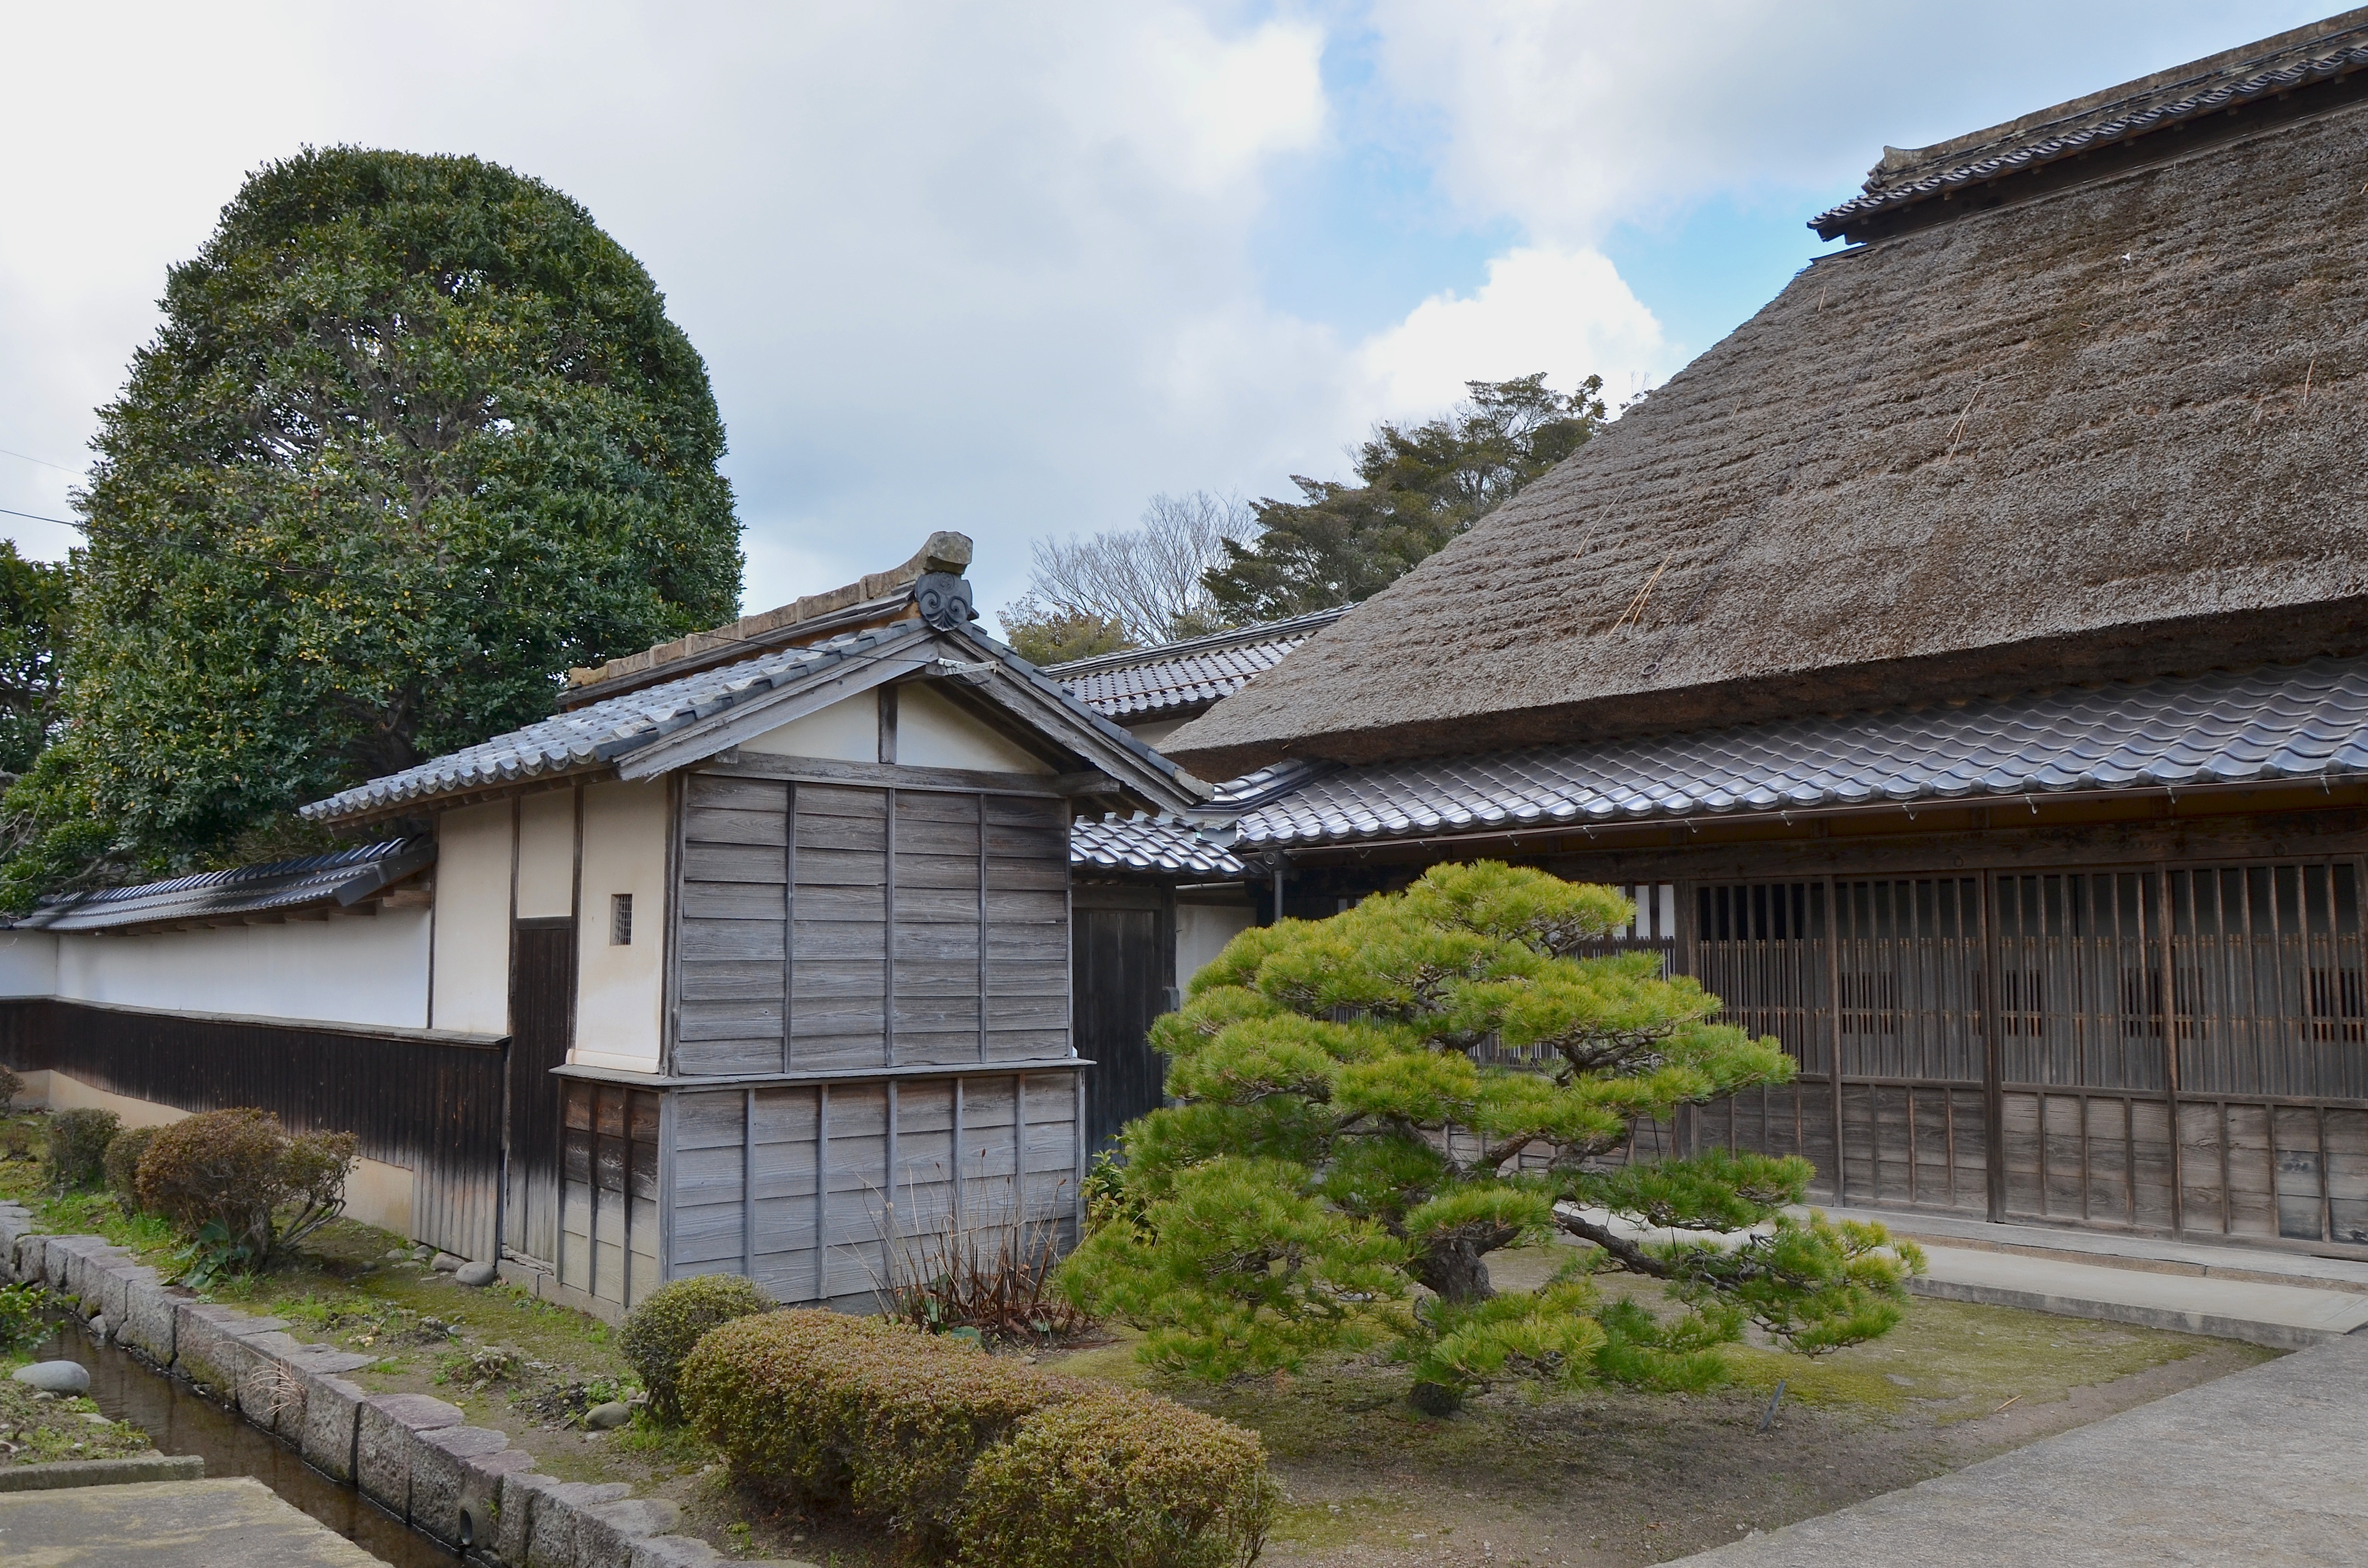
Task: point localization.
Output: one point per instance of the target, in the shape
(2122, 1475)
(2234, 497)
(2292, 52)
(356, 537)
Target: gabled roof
(656, 728)
(2280, 723)
(2107, 432)
(2117, 118)
(1174, 680)
(342, 880)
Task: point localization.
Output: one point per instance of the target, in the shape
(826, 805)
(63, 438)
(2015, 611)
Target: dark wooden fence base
(429, 1103)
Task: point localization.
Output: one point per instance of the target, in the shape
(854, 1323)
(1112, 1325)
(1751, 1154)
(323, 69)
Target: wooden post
(748, 1184)
(1834, 1034)
(821, 1192)
(1992, 1056)
(2169, 974)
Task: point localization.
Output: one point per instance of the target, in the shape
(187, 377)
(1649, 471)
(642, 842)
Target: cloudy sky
(1013, 268)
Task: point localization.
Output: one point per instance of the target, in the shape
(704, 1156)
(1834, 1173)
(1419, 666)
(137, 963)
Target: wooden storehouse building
(1966, 660)
(755, 957)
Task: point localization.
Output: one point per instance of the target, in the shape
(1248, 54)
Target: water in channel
(178, 1420)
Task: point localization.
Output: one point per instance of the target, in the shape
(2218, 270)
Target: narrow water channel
(179, 1421)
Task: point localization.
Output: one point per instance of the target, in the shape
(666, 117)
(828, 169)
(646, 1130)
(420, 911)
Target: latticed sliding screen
(2181, 1048)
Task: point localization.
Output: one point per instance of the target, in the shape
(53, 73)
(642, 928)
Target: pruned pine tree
(1336, 1169)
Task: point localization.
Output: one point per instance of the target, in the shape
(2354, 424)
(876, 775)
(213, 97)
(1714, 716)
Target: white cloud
(1567, 312)
(1568, 118)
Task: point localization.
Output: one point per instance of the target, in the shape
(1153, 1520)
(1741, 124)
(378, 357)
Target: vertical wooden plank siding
(433, 1105)
(2169, 1047)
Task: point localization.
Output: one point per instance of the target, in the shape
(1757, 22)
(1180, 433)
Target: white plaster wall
(933, 733)
(28, 963)
(354, 970)
(620, 991)
(546, 880)
(847, 731)
(471, 979)
(376, 1194)
(1202, 932)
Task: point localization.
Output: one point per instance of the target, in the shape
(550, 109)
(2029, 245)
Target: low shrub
(11, 1086)
(122, 1165)
(1118, 1479)
(78, 1140)
(969, 1455)
(660, 1331)
(238, 1184)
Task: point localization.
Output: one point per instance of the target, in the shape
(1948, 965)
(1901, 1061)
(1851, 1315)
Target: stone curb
(102, 1473)
(410, 1454)
(2275, 1335)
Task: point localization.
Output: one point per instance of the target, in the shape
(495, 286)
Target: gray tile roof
(2278, 722)
(591, 737)
(1161, 847)
(343, 877)
(588, 737)
(1173, 678)
(2104, 126)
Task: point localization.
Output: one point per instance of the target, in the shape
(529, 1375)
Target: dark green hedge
(976, 1458)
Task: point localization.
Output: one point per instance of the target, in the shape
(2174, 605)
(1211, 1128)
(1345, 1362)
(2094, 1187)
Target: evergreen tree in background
(1330, 1144)
(415, 437)
(1420, 487)
(36, 610)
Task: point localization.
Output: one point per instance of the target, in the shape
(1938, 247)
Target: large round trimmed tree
(415, 436)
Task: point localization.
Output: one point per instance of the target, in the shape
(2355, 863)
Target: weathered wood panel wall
(834, 1191)
(836, 943)
(430, 1104)
(839, 927)
(608, 1176)
(1123, 964)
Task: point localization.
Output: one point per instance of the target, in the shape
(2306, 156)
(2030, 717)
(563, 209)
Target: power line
(43, 462)
(35, 516)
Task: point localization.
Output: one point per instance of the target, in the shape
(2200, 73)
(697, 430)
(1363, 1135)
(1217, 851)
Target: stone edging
(407, 1452)
(63, 1473)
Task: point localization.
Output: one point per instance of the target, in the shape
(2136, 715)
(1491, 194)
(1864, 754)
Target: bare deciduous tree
(1146, 579)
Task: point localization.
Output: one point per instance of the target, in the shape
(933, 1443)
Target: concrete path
(2261, 1467)
(168, 1524)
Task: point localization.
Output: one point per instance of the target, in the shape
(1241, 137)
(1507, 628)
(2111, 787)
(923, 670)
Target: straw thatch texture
(2113, 431)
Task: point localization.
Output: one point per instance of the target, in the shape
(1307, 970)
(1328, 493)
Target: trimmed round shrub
(78, 1140)
(660, 1331)
(898, 1426)
(122, 1165)
(238, 1174)
(1118, 1479)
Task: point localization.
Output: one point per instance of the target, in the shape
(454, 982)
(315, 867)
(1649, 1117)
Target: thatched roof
(2109, 430)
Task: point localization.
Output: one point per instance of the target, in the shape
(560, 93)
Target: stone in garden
(603, 1417)
(475, 1273)
(55, 1377)
(445, 1262)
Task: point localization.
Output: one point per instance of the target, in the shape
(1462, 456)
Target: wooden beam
(899, 776)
